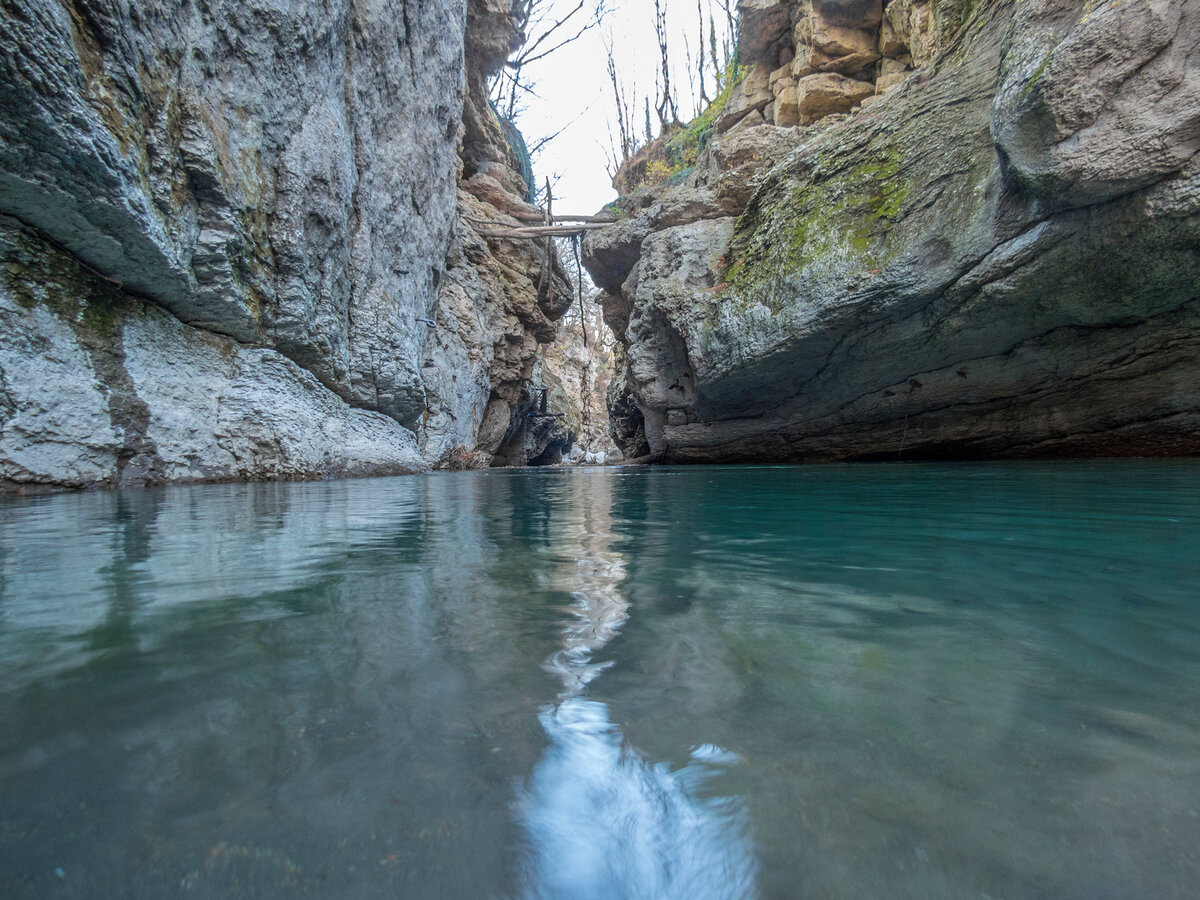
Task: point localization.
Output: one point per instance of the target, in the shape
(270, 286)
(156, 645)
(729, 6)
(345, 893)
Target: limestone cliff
(935, 228)
(222, 224)
(501, 297)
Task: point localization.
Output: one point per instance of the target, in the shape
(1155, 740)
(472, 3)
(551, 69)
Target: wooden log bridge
(533, 232)
(541, 224)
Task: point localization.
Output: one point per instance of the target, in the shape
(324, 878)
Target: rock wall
(501, 297)
(221, 226)
(996, 254)
(577, 369)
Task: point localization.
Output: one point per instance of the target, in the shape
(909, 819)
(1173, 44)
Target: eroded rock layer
(997, 255)
(224, 224)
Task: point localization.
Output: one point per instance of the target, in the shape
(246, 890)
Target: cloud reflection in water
(600, 820)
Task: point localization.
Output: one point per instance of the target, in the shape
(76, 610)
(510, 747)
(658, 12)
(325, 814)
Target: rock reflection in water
(600, 819)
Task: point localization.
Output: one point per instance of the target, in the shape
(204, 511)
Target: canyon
(248, 241)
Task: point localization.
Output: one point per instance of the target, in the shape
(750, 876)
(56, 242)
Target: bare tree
(729, 7)
(666, 107)
(550, 26)
(701, 63)
(709, 66)
(621, 96)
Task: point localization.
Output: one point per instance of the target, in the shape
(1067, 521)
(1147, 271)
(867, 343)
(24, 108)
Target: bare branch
(667, 109)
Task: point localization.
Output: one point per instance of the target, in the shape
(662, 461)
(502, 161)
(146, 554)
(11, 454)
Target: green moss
(37, 273)
(675, 153)
(616, 210)
(686, 144)
(834, 223)
(1036, 77)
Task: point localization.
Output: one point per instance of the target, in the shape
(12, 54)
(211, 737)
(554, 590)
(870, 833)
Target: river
(880, 681)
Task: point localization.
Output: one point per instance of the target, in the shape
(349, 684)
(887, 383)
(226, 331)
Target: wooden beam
(589, 220)
(531, 232)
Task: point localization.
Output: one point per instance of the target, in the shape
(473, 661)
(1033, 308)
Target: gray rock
(263, 179)
(999, 259)
(282, 174)
(102, 389)
(1130, 123)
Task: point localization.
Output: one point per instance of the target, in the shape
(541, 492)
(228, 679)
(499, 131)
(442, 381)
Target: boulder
(787, 105)
(848, 13)
(754, 118)
(809, 61)
(820, 95)
(886, 82)
(825, 47)
(752, 93)
(890, 44)
(836, 41)
(782, 72)
(762, 24)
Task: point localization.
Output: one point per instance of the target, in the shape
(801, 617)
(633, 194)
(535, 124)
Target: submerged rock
(998, 258)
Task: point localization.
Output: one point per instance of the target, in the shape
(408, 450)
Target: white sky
(574, 82)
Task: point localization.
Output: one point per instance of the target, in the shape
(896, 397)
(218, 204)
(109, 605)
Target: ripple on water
(856, 681)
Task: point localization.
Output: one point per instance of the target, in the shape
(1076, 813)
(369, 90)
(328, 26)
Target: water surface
(843, 681)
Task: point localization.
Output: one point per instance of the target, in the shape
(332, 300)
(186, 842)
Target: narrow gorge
(248, 241)
(800, 499)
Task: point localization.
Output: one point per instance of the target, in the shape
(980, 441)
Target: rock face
(99, 387)
(501, 298)
(998, 258)
(222, 224)
(807, 59)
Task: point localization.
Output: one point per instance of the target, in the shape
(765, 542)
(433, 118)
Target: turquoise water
(843, 681)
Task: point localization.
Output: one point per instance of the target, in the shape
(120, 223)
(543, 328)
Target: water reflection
(601, 820)
(945, 681)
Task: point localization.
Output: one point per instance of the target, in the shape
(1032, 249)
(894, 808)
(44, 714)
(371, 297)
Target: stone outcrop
(223, 224)
(807, 59)
(999, 257)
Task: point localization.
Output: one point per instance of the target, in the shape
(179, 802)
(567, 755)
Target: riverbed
(831, 681)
